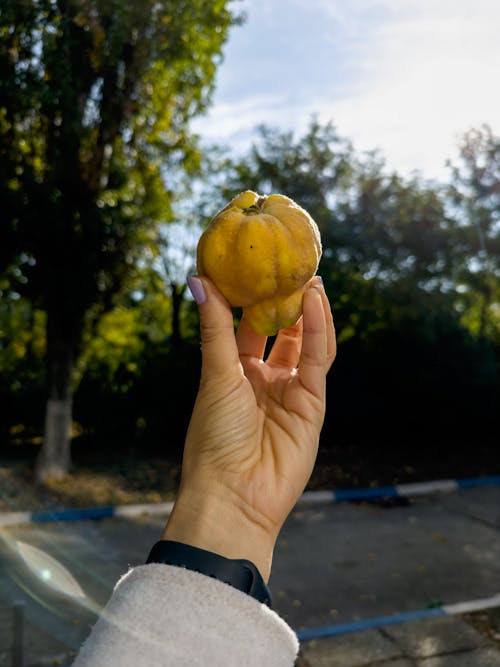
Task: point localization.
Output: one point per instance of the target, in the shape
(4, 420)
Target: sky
(405, 76)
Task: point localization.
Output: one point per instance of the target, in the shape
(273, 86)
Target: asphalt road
(332, 564)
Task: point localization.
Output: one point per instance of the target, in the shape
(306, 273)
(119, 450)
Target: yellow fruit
(260, 252)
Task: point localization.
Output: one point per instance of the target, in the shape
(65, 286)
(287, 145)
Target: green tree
(314, 170)
(95, 99)
(388, 247)
(393, 250)
(396, 250)
(475, 197)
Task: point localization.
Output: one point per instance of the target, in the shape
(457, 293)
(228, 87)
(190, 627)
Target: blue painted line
(362, 494)
(74, 515)
(342, 495)
(356, 626)
(469, 482)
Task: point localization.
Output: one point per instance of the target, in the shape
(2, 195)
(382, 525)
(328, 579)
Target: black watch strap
(239, 573)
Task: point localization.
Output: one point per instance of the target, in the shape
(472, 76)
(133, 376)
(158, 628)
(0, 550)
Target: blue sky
(405, 76)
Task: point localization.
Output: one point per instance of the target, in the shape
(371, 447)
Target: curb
(396, 619)
(307, 498)
(398, 491)
(125, 511)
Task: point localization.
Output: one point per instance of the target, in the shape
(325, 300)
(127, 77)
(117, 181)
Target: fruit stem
(255, 208)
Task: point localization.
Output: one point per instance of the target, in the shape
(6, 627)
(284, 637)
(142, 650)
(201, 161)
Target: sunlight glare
(49, 570)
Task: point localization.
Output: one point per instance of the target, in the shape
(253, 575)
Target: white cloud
(425, 81)
(227, 119)
(406, 77)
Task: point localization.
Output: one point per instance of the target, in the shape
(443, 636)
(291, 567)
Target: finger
(250, 344)
(331, 340)
(218, 345)
(286, 349)
(312, 363)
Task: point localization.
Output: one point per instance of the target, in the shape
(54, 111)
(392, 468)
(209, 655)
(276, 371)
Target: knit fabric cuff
(163, 614)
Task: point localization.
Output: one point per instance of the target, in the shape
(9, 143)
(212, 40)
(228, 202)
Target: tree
(95, 99)
(387, 240)
(314, 170)
(475, 197)
(393, 249)
(398, 242)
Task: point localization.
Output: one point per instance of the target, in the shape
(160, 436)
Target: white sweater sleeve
(162, 615)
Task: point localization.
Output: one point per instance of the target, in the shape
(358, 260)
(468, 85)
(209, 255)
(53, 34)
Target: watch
(237, 572)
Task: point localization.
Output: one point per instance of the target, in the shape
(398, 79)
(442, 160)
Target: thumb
(218, 344)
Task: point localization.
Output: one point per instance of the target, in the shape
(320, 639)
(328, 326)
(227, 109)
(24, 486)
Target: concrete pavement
(344, 562)
(443, 642)
(333, 564)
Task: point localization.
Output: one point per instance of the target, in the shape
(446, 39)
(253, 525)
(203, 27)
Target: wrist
(210, 521)
(238, 573)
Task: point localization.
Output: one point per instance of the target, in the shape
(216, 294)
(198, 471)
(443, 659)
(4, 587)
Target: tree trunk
(54, 459)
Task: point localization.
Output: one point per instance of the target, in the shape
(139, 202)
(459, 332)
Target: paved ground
(441, 642)
(332, 564)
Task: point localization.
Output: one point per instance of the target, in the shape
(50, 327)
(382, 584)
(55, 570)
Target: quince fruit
(260, 252)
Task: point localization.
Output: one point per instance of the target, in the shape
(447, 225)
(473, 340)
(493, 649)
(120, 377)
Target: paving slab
(358, 650)
(431, 637)
(484, 657)
(349, 562)
(40, 648)
(481, 504)
(399, 662)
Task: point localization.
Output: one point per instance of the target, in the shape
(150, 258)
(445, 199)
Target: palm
(260, 440)
(289, 423)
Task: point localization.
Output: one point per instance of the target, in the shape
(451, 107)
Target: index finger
(219, 352)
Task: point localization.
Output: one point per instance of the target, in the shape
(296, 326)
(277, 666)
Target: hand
(253, 436)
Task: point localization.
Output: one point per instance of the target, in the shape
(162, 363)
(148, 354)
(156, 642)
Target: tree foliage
(475, 195)
(389, 242)
(95, 99)
(404, 267)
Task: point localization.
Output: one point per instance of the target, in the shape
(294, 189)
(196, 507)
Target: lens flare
(49, 570)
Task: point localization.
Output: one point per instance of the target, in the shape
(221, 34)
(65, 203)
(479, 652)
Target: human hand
(253, 436)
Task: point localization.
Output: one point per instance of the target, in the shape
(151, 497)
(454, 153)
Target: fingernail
(317, 283)
(197, 290)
